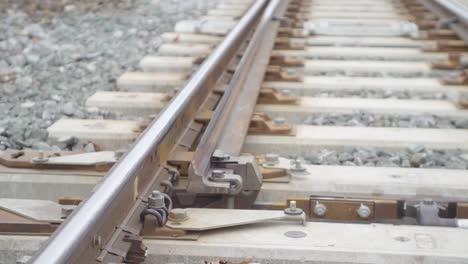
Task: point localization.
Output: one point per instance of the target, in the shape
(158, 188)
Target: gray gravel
(385, 120)
(50, 64)
(414, 157)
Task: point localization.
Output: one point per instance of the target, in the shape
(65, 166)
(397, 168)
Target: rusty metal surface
(462, 210)
(344, 210)
(262, 124)
(273, 96)
(58, 160)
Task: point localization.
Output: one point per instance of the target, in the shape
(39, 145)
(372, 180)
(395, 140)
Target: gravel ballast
(385, 120)
(52, 60)
(413, 157)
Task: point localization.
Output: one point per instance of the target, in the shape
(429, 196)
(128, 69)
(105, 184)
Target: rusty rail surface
(107, 222)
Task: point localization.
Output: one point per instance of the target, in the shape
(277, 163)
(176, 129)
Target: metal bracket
(453, 62)
(32, 159)
(203, 219)
(262, 124)
(448, 45)
(273, 96)
(288, 44)
(437, 34)
(281, 60)
(278, 74)
(278, 169)
(19, 216)
(426, 212)
(290, 32)
(461, 79)
(463, 102)
(229, 175)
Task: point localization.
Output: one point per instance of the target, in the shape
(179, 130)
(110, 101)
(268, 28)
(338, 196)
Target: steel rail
(458, 9)
(68, 243)
(230, 122)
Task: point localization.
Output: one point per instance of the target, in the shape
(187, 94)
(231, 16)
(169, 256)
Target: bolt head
(40, 158)
(297, 165)
(364, 211)
(320, 209)
(279, 121)
(292, 205)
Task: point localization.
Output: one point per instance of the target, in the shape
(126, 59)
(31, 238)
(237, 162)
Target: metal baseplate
(24, 217)
(71, 160)
(190, 223)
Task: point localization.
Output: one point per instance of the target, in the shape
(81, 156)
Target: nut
(156, 200)
(178, 215)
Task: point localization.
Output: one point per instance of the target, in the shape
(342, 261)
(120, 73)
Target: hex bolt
(40, 158)
(156, 200)
(320, 209)
(217, 174)
(297, 165)
(271, 159)
(363, 211)
(292, 209)
(292, 205)
(279, 121)
(178, 215)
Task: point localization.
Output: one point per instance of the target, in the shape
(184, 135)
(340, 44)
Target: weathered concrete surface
(323, 243)
(46, 184)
